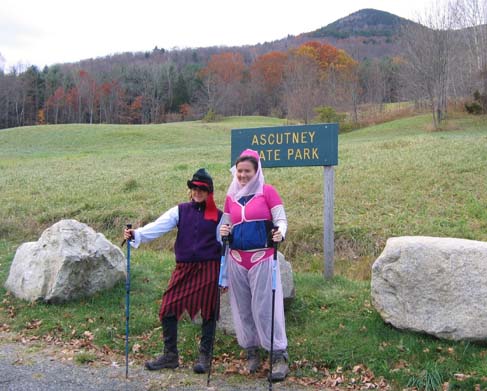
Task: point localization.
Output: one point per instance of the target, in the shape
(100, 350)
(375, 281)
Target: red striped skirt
(193, 287)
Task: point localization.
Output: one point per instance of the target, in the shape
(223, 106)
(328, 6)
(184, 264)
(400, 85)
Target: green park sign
(289, 146)
(294, 146)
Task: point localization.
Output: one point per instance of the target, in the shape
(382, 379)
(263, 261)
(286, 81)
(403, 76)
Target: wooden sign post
(297, 146)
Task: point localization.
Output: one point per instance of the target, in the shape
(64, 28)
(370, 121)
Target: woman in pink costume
(254, 216)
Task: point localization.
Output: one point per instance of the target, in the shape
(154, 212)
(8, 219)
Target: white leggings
(251, 303)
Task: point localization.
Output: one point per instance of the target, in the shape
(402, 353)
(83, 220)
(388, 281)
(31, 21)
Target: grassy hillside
(394, 179)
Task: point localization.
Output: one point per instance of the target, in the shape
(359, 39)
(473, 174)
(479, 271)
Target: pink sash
(248, 259)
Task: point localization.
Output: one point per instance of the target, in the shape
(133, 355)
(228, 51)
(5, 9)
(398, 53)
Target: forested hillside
(368, 57)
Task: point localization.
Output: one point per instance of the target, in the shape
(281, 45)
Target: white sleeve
(279, 219)
(165, 223)
(218, 236)
(225, 219)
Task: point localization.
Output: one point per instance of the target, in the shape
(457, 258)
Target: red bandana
(211, 211)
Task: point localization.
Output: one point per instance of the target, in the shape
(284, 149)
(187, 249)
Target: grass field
(398, 178)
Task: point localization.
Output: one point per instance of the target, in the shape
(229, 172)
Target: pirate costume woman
(194, 282)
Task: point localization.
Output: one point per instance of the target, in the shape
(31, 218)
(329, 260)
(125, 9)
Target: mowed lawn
(394, 179)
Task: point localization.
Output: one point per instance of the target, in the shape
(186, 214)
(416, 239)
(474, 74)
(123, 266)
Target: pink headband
(251, 152)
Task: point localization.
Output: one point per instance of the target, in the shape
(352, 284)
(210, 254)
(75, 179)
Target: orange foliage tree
(185, 110)
(320, 74)
(302, 86)
(269, 68)
(227, 67)
(110, 98)
(267, 75)
(73, 106)
(55, 102)
(41, 117)
(222, 79)
(327, 56)
(135, 110)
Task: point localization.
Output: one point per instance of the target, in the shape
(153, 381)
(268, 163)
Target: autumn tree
(223, 83)
(110, 96)
(185, 111)
(135, 111)
(318, 74)
(55, 103)
(302, 86)
(72, 106)
(41, 117)
(338, 73)
(267, 76)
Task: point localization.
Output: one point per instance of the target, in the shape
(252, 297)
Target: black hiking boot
(203, 364)
(280, 367)
(167, 360)
(206, 345)
(170, 358)
(253, 360)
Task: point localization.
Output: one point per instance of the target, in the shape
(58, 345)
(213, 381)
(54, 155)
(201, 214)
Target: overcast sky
(45, 32)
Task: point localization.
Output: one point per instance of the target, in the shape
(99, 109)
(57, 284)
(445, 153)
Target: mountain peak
(365, 22)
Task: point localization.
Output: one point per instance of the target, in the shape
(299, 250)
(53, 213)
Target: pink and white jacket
(252, 218)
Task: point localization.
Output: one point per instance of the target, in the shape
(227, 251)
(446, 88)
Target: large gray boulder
(433, 285)
(225, 322)
(70, 260)
(287, 280)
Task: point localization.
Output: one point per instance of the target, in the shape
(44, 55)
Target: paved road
(38, 367)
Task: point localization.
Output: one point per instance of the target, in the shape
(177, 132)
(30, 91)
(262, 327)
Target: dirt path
(35, 365)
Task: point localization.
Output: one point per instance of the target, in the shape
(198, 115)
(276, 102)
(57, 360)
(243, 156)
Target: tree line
(159, 87)
(444, 58)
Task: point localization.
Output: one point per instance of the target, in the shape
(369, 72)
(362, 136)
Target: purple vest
(196, 238)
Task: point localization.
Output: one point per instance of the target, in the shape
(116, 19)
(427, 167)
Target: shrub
(473, 108)
(211, 116)
(479, 104)
(328, 114)
(277, 112)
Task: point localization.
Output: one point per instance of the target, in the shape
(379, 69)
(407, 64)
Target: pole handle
(275, 244)
(129, 226)
(225, 241)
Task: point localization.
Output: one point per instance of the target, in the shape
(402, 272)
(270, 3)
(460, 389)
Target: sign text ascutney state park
(289, 146)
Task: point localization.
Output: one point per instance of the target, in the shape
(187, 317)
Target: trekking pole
(221, 278)
(274, 271)
(127, 306)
